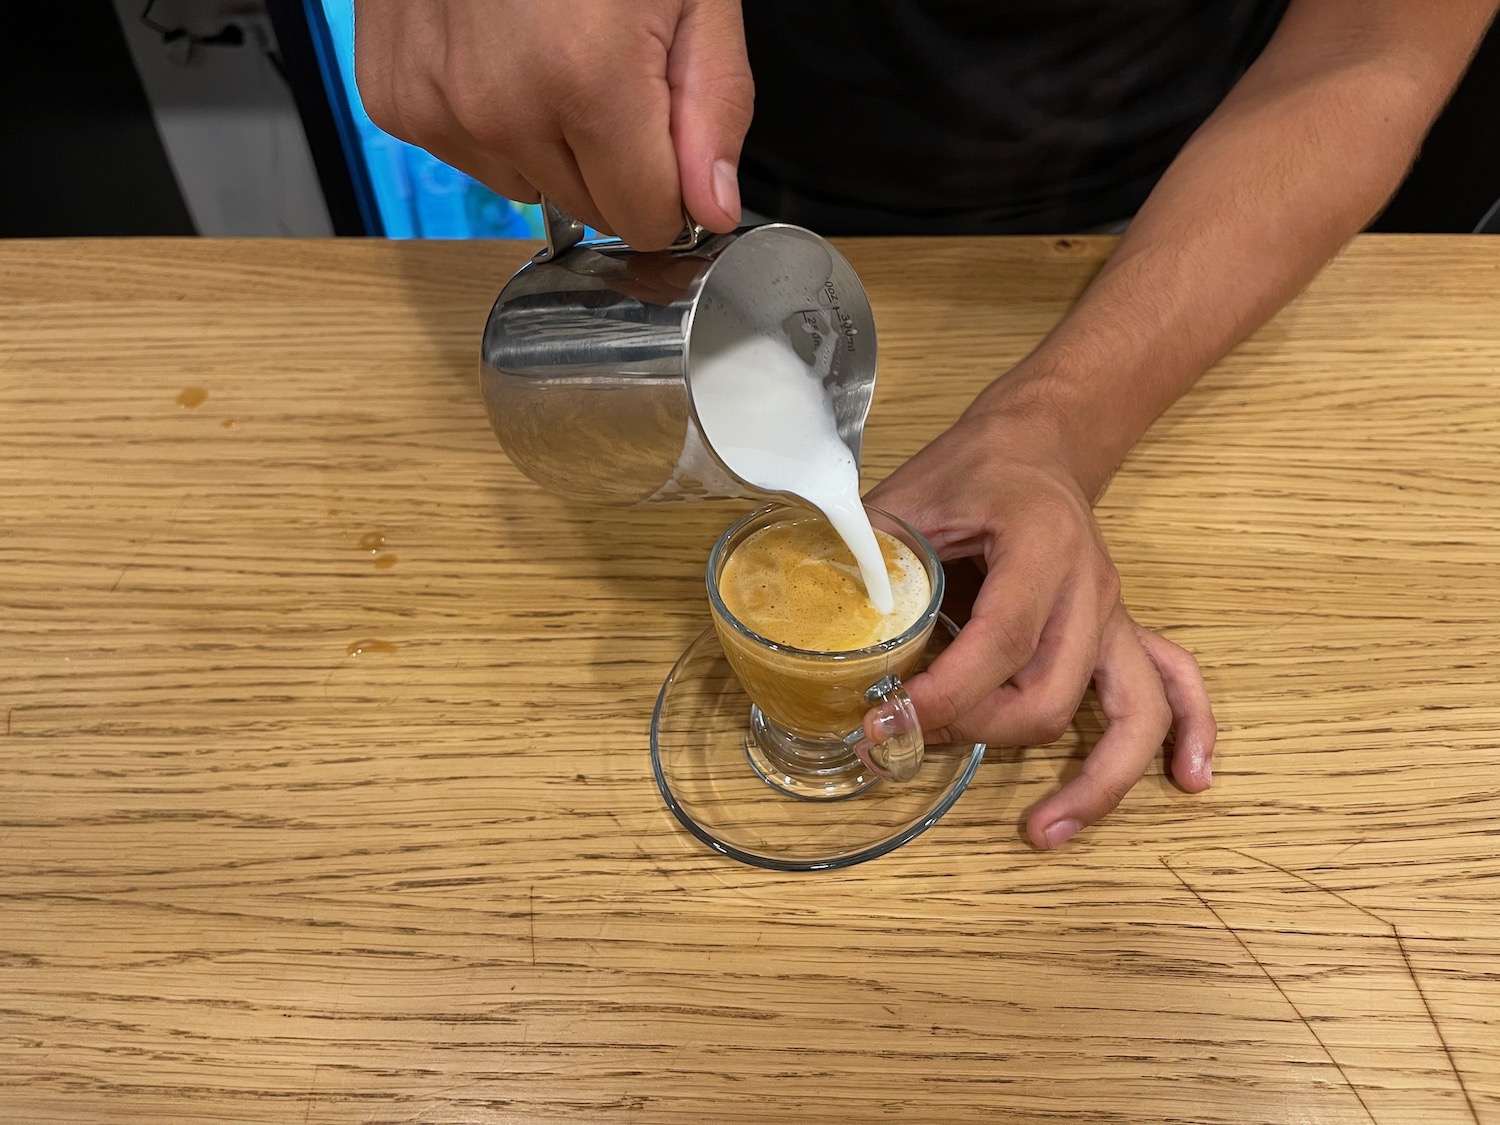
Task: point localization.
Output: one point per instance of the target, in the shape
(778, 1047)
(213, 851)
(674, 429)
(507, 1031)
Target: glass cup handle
(892, 740)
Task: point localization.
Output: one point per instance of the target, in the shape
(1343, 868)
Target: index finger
(1010, 612)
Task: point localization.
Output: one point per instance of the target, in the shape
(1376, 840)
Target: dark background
(80, 155)
(79, 152)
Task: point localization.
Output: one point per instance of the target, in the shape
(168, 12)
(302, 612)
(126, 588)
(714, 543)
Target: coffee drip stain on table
(374, 543)
(371, 644)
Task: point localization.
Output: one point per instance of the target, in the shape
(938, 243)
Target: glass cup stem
(810, 769)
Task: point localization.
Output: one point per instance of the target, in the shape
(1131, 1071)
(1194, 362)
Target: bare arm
(1304, 152)
(1300, 155)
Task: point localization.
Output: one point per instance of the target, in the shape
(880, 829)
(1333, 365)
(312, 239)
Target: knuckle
(1052, 720)
(571, 83)
(414, 114)
(1013, 645)
(943, 704)
(590, 102)
(1112, 792)
(1109, 584)
(1107, 791)
(1051, 728)
(481, 111)
(943, 736)
(732, 98)
(1159, 716)
(1185, 661)
(473, 117)
(1176, 661)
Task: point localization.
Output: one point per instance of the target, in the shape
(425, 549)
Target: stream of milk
(765, 412)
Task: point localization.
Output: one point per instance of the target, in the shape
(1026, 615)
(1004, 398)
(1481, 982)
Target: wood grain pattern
(288, 835)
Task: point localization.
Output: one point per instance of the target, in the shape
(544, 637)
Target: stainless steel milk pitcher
(587, 355)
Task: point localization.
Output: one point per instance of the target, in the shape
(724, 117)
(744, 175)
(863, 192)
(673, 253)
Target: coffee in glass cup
(814, 654)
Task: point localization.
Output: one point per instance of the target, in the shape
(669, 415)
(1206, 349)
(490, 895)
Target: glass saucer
(702, 750)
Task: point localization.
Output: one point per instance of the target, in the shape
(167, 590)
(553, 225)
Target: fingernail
(1060, 832)
(727, 189)
(1207, 769)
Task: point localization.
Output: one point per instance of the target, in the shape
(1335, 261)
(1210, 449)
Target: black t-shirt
(981, 116)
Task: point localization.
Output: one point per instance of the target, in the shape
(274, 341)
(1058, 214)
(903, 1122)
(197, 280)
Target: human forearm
(1299, 157)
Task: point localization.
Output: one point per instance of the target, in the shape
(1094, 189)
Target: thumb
(712, 98)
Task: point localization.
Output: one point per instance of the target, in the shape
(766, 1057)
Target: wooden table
(324, 784)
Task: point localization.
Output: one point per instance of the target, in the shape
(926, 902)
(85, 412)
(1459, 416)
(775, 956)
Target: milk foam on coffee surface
(795, 583)
(764, 410)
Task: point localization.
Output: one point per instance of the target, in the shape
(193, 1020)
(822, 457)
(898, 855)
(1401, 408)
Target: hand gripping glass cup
(605, 378)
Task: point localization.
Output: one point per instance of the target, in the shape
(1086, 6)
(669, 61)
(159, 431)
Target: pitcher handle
(565, 232)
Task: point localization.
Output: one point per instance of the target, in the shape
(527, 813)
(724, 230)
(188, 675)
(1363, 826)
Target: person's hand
(623, 112)
(1047, 620)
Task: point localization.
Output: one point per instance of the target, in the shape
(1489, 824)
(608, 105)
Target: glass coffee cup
(809, 707)
(797, 759)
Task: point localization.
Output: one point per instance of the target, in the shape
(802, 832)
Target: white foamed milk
(764, 411)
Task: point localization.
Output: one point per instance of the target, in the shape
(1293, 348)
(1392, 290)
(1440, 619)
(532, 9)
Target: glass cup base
(759, 795)
(801, 767)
